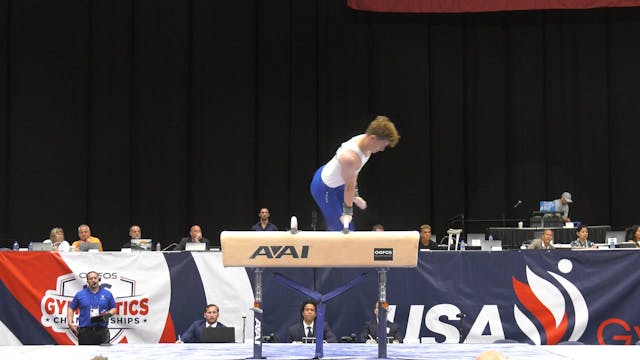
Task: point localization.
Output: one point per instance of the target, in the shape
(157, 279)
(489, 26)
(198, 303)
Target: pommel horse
(319, 249)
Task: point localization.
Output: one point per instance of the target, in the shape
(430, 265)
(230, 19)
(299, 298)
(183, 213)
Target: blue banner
(539, 297)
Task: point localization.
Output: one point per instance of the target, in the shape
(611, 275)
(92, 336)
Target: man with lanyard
(96, 306)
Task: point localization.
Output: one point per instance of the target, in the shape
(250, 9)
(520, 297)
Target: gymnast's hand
(360, 202)
(347, 218)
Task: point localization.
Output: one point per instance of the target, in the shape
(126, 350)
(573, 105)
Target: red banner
(462, 6)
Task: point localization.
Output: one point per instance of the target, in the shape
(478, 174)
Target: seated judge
(369, 333)
(194, 332)
(84, 233)
(195, 236)
(582, 242)
(307, 327)
(135, 232)
(634, 235)
(57, 241)
(425, 238)
(544, 243)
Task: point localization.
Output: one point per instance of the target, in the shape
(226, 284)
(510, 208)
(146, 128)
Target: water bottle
(158, 247)
(462, 245)
(30, 245)
(16, 246)
(490, 237)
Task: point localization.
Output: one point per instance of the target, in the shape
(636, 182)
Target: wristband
(357, 194)
(347, 210)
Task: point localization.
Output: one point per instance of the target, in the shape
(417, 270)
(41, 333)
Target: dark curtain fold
(169, 113)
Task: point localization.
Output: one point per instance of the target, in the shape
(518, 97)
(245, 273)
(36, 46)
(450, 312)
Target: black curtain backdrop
(168, 113)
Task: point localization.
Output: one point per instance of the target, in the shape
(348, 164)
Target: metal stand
(257, 315)
(382, 313)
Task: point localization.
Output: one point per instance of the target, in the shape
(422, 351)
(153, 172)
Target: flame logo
(547, 305)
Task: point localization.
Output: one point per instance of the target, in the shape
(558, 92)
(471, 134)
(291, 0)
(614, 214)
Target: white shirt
(63, 246)
(306, 327)
(331, 173)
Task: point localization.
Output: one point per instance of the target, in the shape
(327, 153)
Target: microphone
(172, 245)
(455, 217)
(517, 204)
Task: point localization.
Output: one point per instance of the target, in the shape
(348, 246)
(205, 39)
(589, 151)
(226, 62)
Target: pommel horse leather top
(263, 249)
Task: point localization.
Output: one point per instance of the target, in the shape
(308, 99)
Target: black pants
(93, 335)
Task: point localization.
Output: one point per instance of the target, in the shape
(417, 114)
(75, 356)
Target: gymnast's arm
(349, 165)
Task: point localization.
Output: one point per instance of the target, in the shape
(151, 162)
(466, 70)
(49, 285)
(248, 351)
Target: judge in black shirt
(425, 238)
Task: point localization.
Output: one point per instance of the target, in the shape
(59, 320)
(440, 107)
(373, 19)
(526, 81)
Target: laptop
(548, 207)
(141, 244)
(218, 335)
(491, 245)
(41, 246)
(86, 246)
(617, 237)
(625, 245)
(475, 239)
(194, 246)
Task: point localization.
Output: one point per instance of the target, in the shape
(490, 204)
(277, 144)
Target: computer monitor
(615, 237)
(491, 245)
(218, 335)
(86, 246)
(141, 244)
(41, 246)
(548, 207)
(626, 245)
(194, 246)
(475, 239)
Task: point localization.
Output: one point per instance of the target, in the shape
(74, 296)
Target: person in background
(369, 333)
(195, 235)
(307, 327)
(635, 235)
(194, 332)
(582, 242)
(377, 227)
(491, 355)
(135, 232)
(562, 205)
(425, 238)
(96, 304)
(84, 233)
(56, 238)
(264, 224)
(545, 241)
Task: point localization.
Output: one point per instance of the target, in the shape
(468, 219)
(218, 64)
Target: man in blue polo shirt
(96, 306)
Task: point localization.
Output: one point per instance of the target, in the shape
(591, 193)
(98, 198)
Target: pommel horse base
(318, 249)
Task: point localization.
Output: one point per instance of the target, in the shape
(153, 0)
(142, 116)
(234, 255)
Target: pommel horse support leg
(318, 249)
(257, 315)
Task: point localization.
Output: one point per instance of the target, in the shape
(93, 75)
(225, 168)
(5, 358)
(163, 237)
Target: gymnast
(334, 185)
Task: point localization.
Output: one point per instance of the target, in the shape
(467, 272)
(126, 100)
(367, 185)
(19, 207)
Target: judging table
(156, 292)
(514, 237)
